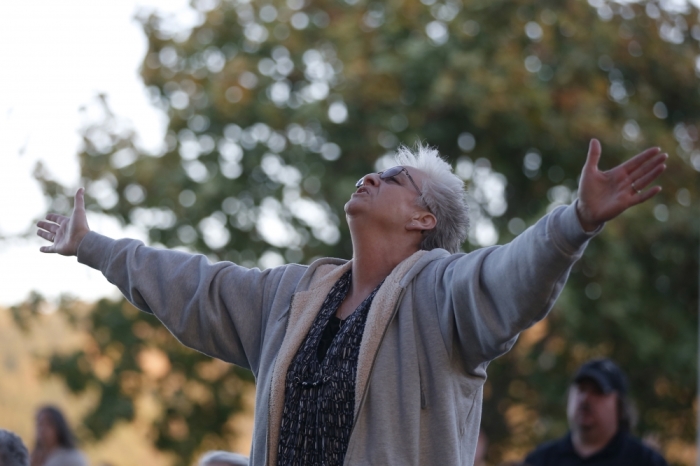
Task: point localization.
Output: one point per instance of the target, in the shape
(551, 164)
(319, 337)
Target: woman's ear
(422, 221)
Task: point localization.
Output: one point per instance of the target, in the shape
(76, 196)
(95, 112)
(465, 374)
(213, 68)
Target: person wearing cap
(600, 420)
(380, 359)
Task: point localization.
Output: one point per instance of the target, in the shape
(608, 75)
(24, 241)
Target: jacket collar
(318, 270)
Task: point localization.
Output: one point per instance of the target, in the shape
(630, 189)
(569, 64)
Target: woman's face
(45, 430)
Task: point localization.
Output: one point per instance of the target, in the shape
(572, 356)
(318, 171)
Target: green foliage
(259, 159)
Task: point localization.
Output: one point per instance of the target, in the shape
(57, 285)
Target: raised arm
(219, 309)
(496, 293)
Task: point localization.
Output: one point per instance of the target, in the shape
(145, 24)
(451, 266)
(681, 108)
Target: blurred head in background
(598, 401)
(12, 450)
(52, 430)
(223, 458)
(600, 417)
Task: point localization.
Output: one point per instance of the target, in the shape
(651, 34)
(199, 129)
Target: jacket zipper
(269, 401)
(371, 367)
(419, 349)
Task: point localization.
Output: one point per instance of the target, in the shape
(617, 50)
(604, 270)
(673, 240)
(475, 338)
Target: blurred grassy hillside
(25, 385)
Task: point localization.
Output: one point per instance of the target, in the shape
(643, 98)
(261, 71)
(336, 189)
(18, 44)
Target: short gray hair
(443, 195)
(226, 457)
(12, 450)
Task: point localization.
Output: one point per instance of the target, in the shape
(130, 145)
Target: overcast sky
(56, 57)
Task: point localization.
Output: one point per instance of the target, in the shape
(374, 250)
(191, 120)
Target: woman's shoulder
(66, 457)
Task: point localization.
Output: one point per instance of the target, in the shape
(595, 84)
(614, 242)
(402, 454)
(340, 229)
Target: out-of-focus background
(237, 128)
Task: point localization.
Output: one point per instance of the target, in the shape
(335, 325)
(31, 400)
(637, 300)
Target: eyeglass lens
(393, 171)
(390, 173)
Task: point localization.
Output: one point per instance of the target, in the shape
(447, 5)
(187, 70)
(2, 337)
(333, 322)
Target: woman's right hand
(65, 233)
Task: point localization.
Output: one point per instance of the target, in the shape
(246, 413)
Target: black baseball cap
(605, 373)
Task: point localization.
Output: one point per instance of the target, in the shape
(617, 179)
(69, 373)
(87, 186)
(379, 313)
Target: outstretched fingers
(47, 235)
(56, 218)
(646, 195)
(647, 177)
(48, 230)
(65, 233)
(649, 166)
(48, 226)
(640, 159)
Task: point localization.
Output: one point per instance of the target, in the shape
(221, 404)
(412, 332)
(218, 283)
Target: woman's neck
(373, 261)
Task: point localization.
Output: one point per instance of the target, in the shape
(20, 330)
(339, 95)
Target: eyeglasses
(391, 173)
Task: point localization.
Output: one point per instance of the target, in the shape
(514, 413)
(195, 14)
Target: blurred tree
(275, 110)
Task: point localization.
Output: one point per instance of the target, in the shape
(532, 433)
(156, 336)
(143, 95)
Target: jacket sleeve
(218, 309)
(489, 296)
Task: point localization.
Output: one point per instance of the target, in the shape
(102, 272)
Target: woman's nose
(371, 178)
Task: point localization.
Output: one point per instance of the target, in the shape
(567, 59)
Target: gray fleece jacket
(432, 329)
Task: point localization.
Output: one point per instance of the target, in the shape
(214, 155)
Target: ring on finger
(635, 188)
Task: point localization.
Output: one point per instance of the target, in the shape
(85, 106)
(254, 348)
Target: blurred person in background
(55, 443)
(12, 450)
(223, 458)
(381, 359)
(601, 418)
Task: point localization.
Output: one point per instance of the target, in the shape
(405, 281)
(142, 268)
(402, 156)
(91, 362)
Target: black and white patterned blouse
(319, 399)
